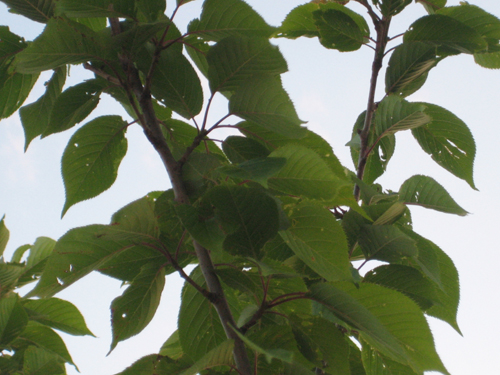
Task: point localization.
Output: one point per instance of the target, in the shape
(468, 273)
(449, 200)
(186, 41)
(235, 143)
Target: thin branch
(108, 77)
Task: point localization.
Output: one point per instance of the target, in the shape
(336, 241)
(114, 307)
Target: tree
(270, 218)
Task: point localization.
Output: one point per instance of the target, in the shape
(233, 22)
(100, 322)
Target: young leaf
(319, 241)
(426, 192)
(97, 8)
(4, 236)
(134, 309)
(58, 314)
(408, 67)
(445, 31)
(91, 159)
(223, 18)
(36, 10)
(386, 243)
(35, 116)
(265, 102)
(449, 142)
(235, 60)
(13, 319)
(219, 356)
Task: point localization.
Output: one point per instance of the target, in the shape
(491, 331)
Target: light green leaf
(58, 314)
(35, 116)
(219, 356)
(258, 170)
(139, 216)
(134, 309)
(488, 60)
(223, 18)
(91, 159)
(432, 5)
(38, 361)
(240, 149)
(265, 102)
(305, 174)
(338, 30)
(235, 60)
(408, 67)
(13, 319)
(14, 91)
(319, 241)
(63, 42)
(4, 236)
(73, 106)
(36, 10)
(172, 347)
(445, 31)
(375, 363)
(97, 8)
(386, 243)
(37, 258)
(426, 192)
(395, 114)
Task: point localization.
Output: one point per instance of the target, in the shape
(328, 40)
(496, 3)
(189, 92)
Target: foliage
(269, 219)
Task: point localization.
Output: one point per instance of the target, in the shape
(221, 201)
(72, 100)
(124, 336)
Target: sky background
(329, 90)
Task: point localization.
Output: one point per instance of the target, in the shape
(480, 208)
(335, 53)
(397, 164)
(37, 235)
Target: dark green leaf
(393, 7)
(73, 106)
(4, 236)
(218, 356)
(139, 216)
(91, 159)
(97, 8)
(386, 243)
(37, 258)
(9, 273)
(486, 24)
(319, 241)
(432, 5)
(338, 30)
(58, 314)
(134, 309)
(445, 31)
(299, 22)
(152, 9)
(240, 149)
(38, 361)
(36, 10)
(265, 102)
(14, 91)
(408, 67)
(377, 364)
(449, 142)
(426, 192)
(13, 319)
(223, 18)
(172, 347)
(235, 60)
(35, 116)
(258, 170)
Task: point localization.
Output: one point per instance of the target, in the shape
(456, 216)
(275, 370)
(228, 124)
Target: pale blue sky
(329, 90)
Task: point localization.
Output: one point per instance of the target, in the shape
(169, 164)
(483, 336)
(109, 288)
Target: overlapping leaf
(393, 7)
(258, 170)
(97, 8)
(240, 149)
(13, 319)
(386, 243)
(338, 29)
(36, 10)
(91, 158)
(299, 22)
(40, 361)
(219, 356)
(14, 91)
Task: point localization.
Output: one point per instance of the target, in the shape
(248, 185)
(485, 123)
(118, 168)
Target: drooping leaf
(58, 314)
(218, 356)
(338, 30)
(223, 18)
(426, 192)
(265, 102)
(35, 116)
(36, 10)
(14, 91)
(240, 149)
(13, 319)
(63, 42)
(319, 241)
(446, 31)
(91, 159)
(408, 67)
(134, 309)
(449, 142)
(235, 60)
(73, 106)
(386, 243)
(4, 235)
(97, 8)
(38, 361)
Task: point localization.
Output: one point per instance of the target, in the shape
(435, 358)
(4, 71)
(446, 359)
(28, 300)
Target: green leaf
(240, 149)
(248, 215)
(408, 67)
(223, 18)
(319, 241)
(36, 10)
(155, 364)
(395, 114)
(58, 314)
(377, 364)
(152, 9)
(97, 8)
(91, 159)
(9, 273)
(63, 42)
(445, 31)
(174, 82)
(172, 347)
(305, 174)
(219, 356)
(386, 243)
(14, 91)
(426, 192)
(389, 321)
(486, 24)
(73, 106)
(449, 142)
(299, 22)
(432, 5)
(134, 309)
(488, 60)
(406, 280)
(338, 30)
(44, 337)
(13, 319)
(35, 116)
(139, 216)
(393, 7)
(38, 361)
(4, 236)
(258, 170)
(265, 102)
(235, 60)
(200, 329)
(37, 258)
